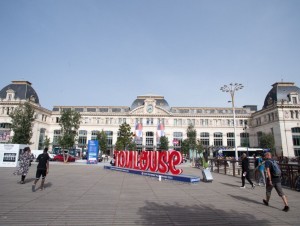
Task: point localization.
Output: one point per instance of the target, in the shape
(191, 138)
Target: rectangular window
(295, 100)
(204, 138)
(230, 140)
(296, 140)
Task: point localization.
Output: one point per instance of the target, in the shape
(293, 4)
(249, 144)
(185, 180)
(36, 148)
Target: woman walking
(25, 158)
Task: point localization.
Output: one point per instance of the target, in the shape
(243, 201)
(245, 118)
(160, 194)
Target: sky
(108, 52)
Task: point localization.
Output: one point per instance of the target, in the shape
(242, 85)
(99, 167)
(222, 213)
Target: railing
(290, 172)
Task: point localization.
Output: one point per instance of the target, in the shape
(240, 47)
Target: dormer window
(32, 98)
(10, 94)
(294, 98)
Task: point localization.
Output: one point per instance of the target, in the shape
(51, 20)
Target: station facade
(150, 117)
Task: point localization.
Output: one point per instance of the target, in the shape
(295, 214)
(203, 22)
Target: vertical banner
(92, 157)
(139, 133)
(160, 132)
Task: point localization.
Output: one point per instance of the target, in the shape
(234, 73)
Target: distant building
(150, 116)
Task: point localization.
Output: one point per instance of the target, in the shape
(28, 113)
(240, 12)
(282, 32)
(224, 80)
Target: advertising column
(92, 157)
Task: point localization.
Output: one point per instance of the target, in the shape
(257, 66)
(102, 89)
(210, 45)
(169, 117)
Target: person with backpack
(273, 173)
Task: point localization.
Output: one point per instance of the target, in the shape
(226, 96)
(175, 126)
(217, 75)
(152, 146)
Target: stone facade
(150, 116)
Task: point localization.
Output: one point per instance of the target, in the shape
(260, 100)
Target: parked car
(51, 156)
(60, 158)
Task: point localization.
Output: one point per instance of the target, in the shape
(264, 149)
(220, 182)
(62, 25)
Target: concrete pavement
(79, 194)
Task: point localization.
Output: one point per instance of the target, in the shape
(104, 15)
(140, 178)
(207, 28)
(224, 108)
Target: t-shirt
(268, 164)
(43, 159)
(261, 166)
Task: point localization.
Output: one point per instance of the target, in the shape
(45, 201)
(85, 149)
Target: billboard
(9, 154)
(92, 157)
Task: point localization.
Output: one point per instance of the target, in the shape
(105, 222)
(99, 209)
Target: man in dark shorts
(42, 169)
(273, 181)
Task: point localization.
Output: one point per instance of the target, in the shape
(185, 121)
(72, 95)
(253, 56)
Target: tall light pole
(232, 88)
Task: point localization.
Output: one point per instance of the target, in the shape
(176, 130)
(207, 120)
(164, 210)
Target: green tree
(69, 122)
(132, 146)
(164, 143)
(125, 137)
(191, 140)
(102, 139)
(267, 141)
(185, 147)
(46, 142)
(21, 123)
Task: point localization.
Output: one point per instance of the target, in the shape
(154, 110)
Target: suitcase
(207, 177)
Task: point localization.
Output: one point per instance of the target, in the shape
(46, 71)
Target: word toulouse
(154, 161)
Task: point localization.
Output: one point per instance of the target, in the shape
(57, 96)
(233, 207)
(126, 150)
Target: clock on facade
(150, 108)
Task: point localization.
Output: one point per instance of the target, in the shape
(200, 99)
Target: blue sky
(108, 52)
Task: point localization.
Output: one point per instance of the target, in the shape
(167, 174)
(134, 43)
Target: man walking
(245, 171)
(42, 169)
(274, 180)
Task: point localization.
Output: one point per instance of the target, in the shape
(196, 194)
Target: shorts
(41, 172)
(277, 187)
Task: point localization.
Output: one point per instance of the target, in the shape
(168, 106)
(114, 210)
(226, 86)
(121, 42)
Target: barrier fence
(289, 172)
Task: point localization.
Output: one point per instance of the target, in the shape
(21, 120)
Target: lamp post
(232, 88)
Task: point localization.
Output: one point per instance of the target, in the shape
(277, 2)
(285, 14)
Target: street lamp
(231, 88)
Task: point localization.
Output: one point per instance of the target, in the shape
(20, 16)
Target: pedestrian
(25, 159)
(261, 171)
(274, 180)
(245, 171)
(42, 169)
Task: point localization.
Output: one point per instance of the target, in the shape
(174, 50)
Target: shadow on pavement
(163, 214)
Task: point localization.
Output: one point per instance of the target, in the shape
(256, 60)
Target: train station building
(151, 116)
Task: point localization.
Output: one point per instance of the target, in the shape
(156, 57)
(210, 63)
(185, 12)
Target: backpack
(297, 184)
(275, 169)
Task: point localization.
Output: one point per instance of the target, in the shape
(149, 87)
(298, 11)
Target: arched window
(296, 140)
(82, 138)
(94, 134)
(204, 138)
(230, 140)
(218, 139)
(149, 140)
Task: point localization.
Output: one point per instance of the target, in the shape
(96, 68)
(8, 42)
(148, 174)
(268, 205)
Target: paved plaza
(79, 194)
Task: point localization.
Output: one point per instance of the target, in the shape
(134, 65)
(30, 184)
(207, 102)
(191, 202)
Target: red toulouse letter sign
(154, 161)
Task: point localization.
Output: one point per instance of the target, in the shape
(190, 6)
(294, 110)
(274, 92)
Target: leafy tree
(46, 142)
(185, 147)
(21, 123)
(69, 122)
(102, 139)
(164, 143)
(191, 139)
(125, 137)
(267, 141)
(132, 146)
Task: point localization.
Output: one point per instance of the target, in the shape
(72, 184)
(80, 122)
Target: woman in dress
(25, 158)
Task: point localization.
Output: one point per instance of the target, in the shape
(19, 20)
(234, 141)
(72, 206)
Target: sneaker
(265, 202)
(259, 184)
(286, 208)
(253, 186)
(33, 188)
(42, 188)
(22, 182)
(243, 187)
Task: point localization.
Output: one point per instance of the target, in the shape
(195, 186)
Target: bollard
(159, 177)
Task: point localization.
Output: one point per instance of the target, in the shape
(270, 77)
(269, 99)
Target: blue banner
(92, 157)
(182, 178)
